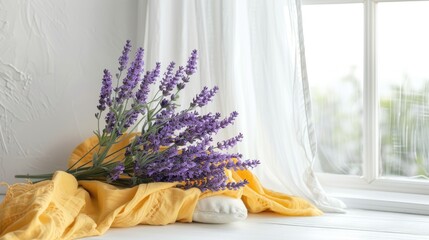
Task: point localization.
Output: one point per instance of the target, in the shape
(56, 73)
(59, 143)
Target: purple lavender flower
(206, 170)
(230, 120)
(198, 127)
(165, 103)
(132, 78)
(191, 67)
(131, 118)
(148, 79)
(172, 146)
(180, 86)
(204, 97)
(170, 81)
(207, 166)
(106, 91)
(116, 172)
(143, 91)
(236, 185)
(241, 165)
(168, 123)
(138, 170)
(166, 80)
(198, 163)
(163, 115)
(214, 180)
(123, 60)
(197, 168)
(175, 80)
(230, 142)
(110, 122)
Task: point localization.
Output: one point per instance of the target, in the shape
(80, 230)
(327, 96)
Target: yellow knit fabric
(63, 208)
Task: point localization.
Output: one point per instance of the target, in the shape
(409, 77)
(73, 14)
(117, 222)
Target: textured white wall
(52, 53)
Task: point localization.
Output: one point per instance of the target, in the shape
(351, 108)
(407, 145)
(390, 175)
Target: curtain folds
(253, 50)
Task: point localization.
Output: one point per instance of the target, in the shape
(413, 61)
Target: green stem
(117, 84)
(41, 176)
(82, 157)
(112, 160)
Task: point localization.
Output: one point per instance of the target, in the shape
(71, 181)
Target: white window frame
(366, 191)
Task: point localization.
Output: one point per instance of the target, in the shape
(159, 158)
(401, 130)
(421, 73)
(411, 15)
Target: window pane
(403, 73)
(333, 35)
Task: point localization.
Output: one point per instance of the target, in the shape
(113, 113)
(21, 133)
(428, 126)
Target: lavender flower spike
(148, 79)
(110, 122)
(167, 79)
(132, 78)
(175, 80)
(106, 91)
(236, 185)
(116, 172)
(191, 67)
(204, 97)
(230, 142)
(131, 118)
(229, 120)
(123, 60)
(170, 82)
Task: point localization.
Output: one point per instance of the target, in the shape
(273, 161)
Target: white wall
(52, 53)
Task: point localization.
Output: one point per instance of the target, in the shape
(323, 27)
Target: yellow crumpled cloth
(64, 208)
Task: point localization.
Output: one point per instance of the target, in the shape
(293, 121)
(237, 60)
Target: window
(368, 69)
(335, 67)
(403, 79)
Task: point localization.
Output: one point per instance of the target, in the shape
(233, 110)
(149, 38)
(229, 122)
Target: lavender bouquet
(172, 145)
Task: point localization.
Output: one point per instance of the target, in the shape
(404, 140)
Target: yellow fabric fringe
(63, 208)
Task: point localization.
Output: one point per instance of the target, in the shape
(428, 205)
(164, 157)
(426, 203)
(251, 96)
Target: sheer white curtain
(253, 50)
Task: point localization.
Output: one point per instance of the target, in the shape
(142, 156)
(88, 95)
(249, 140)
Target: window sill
(385, 194)
(381, 200)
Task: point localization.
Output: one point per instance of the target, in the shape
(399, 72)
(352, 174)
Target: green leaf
(95, 161)
(97, 134)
